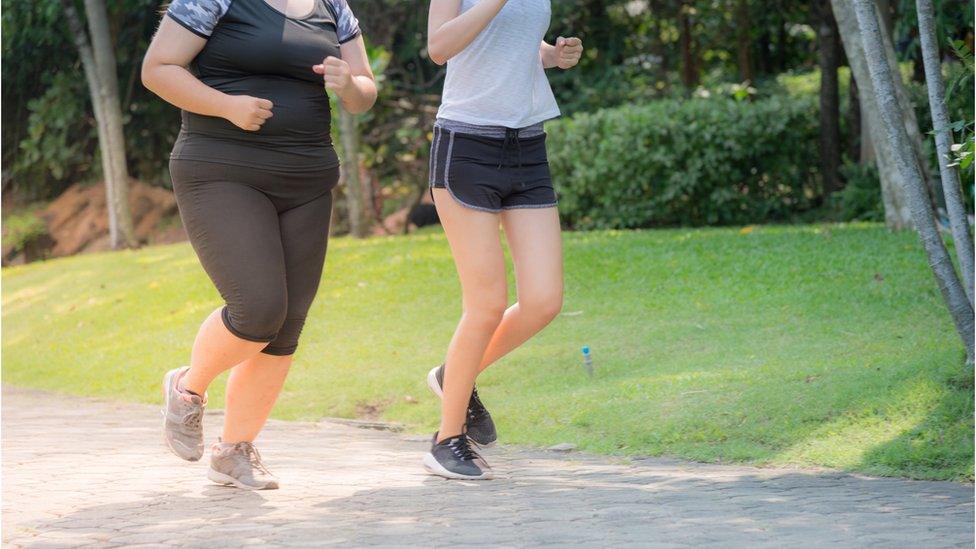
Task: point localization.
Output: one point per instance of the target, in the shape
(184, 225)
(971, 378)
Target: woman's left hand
(568, 52)
(349, 76)
(336, 73)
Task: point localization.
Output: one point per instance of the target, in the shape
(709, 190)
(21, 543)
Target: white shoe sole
(435, 468)
(228, 480)
(187, 453)
(432, 383)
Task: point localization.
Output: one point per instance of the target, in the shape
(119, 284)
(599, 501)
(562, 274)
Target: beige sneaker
(239, 464)
(182, 417)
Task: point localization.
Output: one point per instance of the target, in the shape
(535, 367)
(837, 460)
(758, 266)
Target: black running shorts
(492, 174)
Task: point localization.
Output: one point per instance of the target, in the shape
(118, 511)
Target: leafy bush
(860, 199)
(700, 161)
(49, 138)
(59, 141)
(22, 228)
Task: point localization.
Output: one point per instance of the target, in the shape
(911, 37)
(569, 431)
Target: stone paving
(84, 472)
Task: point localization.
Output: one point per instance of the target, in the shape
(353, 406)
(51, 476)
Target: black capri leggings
(261, 235)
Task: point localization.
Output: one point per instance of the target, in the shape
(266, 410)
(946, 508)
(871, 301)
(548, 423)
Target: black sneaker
(455, 458)
(479, 426)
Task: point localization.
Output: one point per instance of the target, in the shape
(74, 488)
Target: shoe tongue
(458, 438)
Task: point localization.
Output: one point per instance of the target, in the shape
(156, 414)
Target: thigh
(535, 240)
(304, 239)
(234, 230)
(476, 246)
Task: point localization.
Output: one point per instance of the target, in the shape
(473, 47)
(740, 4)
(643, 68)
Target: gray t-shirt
(499, 80)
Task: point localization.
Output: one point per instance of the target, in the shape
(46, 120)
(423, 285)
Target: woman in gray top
(488, 167)
(253, 171)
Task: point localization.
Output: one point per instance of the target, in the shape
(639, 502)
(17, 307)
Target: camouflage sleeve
(347, 26)
(198, 16)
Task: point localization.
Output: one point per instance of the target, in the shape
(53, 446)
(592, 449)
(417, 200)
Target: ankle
(225, 442)
(441, 438)
(185, 387)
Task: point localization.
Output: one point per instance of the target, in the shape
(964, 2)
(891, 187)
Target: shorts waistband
(495, 132)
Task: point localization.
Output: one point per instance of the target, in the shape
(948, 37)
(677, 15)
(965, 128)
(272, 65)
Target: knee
(543, 307)
(257, 319)
(286, 342)
(487, 314)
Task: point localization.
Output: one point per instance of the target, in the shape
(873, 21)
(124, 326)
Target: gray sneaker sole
(181, 451)
(227, 480)
(434, 468)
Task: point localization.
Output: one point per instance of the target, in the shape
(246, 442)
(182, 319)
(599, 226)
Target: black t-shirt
(253, 49)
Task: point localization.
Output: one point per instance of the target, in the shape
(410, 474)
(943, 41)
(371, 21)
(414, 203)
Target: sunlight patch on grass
(794, 345)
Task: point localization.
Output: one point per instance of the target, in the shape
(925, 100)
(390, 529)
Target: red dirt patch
(77, 222)
(78, 219)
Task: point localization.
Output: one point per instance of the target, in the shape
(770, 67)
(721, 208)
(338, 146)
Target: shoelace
(252, 455)
(462, 449)
(476, 410)
(193, 419)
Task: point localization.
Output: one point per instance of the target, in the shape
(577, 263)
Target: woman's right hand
(164, 72)
(248, 113)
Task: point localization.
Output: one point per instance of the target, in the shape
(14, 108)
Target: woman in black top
(253, 171)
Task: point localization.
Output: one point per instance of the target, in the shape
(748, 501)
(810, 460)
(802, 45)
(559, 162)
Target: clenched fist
(248, 113)
(568, 52)
(335, 72)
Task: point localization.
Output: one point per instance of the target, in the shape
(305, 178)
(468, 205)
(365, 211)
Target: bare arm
(449, 31)
(351, 77)
(164, 73)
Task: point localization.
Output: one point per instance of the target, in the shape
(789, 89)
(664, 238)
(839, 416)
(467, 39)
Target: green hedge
(687, 162)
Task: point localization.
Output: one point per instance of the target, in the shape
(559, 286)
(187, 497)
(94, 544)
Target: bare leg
(476, 246)
(252, 389)
(255, 383)
(214, 351)
(536, 244)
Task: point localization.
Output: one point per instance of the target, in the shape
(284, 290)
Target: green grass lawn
(815, 345)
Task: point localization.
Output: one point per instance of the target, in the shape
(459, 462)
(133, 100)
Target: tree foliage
(633, 55)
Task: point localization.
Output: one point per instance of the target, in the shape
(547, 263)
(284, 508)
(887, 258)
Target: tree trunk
(356, 203)
(828, 55)
(762, 60)
(951, 188)
(854, 120)
(887, 17)
(80, 38)
(868, 156)
(897, 215)
(883, 81)
(98, 61)
(689, 58)
(782, 36)
(108, 79)
(886, 10)
(743, 41)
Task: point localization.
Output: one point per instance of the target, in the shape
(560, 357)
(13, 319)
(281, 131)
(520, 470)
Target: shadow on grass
(941, 446)
(896, 418)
